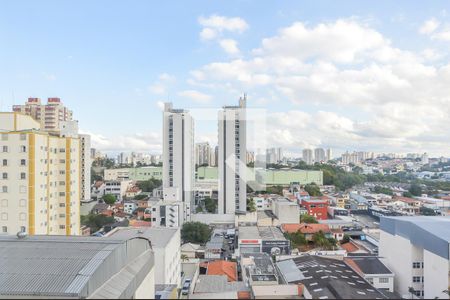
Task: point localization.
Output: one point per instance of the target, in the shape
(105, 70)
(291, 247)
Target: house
(129, 207)
(98, 190)
(100, 208)
(372, 270)
(213, 248)
(192, 250)
(316, 207)
(308, 230)
(222, 267)
(132, 191)
(218, 287)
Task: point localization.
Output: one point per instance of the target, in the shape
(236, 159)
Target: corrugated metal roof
(63, 266)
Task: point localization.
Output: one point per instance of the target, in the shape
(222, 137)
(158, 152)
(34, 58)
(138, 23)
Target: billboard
(276, 247)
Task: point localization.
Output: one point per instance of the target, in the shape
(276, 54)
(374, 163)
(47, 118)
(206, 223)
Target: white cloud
(196, 96)
(222, 23)
(402, 97)
(143, 142)
(429, 26)
(230, 46)
(161, 85)
(49, 77)
(443, 35)
(208, 34)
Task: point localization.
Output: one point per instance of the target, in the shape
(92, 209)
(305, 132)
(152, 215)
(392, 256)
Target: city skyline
(385, 92)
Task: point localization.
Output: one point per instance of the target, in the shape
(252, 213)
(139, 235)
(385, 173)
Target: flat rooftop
(369, 265)
(429, 232)
(262, 233)
(159, 237)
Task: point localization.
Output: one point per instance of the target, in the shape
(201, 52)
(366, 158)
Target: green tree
(320, 240)
(210, 205)
(109, 199)
(345, 239)
(140, 197)
(95, 222)
(407, 194)
(383, 190)
(308, 219)
(297, 239)
(415, 189)
(199, 209)
(427, 211)
(195, 232)
(313, 190)
(148, 186)
(251, 207)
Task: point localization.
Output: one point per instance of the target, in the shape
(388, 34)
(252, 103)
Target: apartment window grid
(382, 280)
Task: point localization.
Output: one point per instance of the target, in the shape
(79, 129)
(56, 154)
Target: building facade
(40, 180)
(48, 115)
(416, 249)
(308, 156)
(232, 158)
(178, 152)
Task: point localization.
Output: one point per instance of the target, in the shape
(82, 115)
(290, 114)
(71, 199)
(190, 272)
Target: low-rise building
(285, 210)
(214, 248)
(326, 278)
(118, 188)
(308, 230)
(56, 267)
(258, 269)
(318, 208)
(253, 239)
(372, 270)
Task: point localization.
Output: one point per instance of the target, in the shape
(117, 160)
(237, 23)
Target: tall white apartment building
(70, 129)
(178, 157)
(274, 155)
(48, 115)
(417, 250)
(203, 154)
(350, 158)
(319, 155)
(308, 156)
(232, 158)
(39, 180)
(329, 154)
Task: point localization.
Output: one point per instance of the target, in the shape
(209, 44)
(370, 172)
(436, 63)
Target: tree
(199, 209)
(322, 241)
(195, 232)
(345, 239)
(210, 205)
(308, 219)
(383, 190)
(140, 197)
(184, 257)
(149, 185)
(251, 207)
(427, 211)
(313, 190)
(407, 194)
(109, 199)
(415, 189)
(95, 222)
(297, 239)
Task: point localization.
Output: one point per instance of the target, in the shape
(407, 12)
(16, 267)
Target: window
(22, 229)
(23, 175)
(4, 189)
(416, 265)
(5, 162)
(23, 162)
(62, 226)
(416, 278)
(4, 229)
(23, 149)
(23, 137)
(5, 148)
(383, 280)
(5, 175)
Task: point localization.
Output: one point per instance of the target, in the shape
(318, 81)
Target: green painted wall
(272, 177)
(145, 173)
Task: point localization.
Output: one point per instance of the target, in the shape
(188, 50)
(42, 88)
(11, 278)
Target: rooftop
(217, 284)
(327, 278)
(222, 267)
(160, 237)
(429, 232)
(73, 266)
(367, 265)
(305, 228)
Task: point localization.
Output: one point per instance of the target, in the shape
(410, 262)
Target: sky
(346, 75)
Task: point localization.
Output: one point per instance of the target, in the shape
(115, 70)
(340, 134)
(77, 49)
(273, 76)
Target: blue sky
(114, 62)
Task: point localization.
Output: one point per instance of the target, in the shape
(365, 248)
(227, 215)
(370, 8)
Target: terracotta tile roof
(405, 199)
(305, 228)
(138, 223)
(337, 230)
(244, 295)
(350, 247)
(222, 267)
(353, 265)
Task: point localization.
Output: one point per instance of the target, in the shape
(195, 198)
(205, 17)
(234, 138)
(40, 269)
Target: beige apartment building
(39, 178)
(48, 115)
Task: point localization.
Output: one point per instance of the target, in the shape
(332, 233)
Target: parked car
(186, 287)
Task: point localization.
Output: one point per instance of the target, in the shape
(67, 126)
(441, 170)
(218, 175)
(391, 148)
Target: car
(186, 287)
